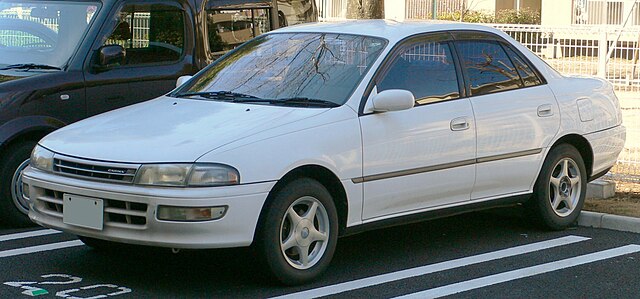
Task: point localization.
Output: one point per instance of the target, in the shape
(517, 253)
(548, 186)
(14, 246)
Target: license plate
(83, 211)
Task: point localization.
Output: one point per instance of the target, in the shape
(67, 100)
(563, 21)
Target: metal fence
(607, 52)
(627, 167)
(606, 12)
(423, 9)
(332, 9)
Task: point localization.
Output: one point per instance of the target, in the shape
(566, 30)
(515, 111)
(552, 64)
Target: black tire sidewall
(13, 156)
(268, 244)
(543, 211)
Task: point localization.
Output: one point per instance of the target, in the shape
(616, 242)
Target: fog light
(190, 214)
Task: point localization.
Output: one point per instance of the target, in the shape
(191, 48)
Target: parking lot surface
(489, 254)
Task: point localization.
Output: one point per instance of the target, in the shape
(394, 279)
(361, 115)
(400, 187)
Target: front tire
(560, 190)
(14, 206)
(100, 245)
(299, 232)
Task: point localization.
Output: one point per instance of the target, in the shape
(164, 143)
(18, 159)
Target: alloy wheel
(17, 193)
(304, 232)
(565, 187)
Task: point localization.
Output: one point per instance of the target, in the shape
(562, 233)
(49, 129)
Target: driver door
(158, 51)
(421, 157)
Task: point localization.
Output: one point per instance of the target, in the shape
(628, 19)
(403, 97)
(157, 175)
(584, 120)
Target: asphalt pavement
(477, 255)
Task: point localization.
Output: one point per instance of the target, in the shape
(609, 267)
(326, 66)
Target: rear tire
(560, 189)
(14, 208)
(299, 232)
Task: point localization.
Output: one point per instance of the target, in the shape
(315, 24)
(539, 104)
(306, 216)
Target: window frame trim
(486, 35)
(468, 79)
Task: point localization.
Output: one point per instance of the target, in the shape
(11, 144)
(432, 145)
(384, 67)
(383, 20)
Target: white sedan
(313, 132)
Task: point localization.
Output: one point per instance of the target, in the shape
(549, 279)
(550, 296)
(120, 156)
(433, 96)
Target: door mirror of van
(182, 80)
(393, 100)
(111, 55)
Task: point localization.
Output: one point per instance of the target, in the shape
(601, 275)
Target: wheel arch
(325, 177)
(26, 128)
(584, 148)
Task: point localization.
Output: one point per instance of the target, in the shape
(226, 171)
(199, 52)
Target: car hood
(10, 75)
(168, 130)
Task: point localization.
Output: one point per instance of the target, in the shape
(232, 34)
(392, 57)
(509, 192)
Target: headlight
(213, 175)
(42, 158)
(180, 175)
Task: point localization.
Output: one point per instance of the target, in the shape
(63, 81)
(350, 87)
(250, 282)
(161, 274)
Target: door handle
(459, 124)
(545, 110)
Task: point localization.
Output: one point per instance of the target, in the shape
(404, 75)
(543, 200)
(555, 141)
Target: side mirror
(393, 100)
(182, 80)
(110, 55)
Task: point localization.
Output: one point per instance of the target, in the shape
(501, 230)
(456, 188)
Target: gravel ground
(626, 201)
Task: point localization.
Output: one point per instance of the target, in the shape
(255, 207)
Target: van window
(228, 29)
(293, 12)
(149, 33)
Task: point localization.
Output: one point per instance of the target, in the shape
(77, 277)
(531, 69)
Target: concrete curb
(608, 221)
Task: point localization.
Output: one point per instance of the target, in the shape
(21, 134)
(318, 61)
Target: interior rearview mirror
(110, 55)
(393, 100)
(182, 80)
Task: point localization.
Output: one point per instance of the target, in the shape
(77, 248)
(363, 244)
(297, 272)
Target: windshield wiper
(217, 95)
(305, 102)
(30, 66)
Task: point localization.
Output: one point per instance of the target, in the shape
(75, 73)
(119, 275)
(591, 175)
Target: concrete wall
(535, 5)
(556, 12)
(483, 5)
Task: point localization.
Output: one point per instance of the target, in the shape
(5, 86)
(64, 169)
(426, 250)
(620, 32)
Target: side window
(149, 33)
(488, 67)
(527, 74)
(228, 29)
(425, 68)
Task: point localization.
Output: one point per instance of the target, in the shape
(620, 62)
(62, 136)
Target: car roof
(387, 29)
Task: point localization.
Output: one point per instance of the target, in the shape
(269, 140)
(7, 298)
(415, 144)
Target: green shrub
(505, 16)
(512, 16)
(470, 16)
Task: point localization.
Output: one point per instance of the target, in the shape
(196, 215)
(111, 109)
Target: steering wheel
(42, 32)
(167, 46)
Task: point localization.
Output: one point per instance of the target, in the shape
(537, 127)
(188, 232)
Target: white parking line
(35, 233)
(40, 248)
(522, 273)
(447, 265)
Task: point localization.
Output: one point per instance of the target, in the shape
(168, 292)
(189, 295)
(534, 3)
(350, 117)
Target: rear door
(159, 49)
(516, 114)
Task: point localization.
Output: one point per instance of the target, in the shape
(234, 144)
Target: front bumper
(130, 211)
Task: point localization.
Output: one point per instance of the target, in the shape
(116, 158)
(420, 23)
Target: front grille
(118, 213)
(125, 212)
(113, 172)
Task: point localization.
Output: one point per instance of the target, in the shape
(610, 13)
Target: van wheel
(14, 206)
(282, 20)
(560, 189)
(299, 233)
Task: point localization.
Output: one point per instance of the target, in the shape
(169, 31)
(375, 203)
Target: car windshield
(42, 34)
(289, 68)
